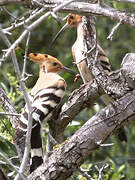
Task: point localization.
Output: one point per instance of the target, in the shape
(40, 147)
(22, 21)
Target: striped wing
(43, 103)
(104, 60)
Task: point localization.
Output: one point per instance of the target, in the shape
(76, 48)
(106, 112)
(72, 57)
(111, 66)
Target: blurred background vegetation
(121, 156)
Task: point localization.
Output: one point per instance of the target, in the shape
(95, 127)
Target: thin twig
(3, 162)
(32, 26)
(10, 114)
(9, 13)
(23, 88)
(100, 170)
(34, 14)
(38, 3)
(106, 145)
(53, 141)
(14, 157)
(114, 30)
(25, 56)
(50, 140)
(85, 174)
(12, 165)
(58, 18)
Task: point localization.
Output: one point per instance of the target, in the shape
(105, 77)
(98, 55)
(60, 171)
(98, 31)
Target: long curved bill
(69, 70)
(58, 34)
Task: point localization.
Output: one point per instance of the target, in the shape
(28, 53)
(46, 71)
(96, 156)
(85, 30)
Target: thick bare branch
(81, 98)
(115, 85)
(85, 8)
(88, 8)
(68, 156)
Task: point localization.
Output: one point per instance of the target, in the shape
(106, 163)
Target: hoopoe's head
(48, 63)
(72, 20)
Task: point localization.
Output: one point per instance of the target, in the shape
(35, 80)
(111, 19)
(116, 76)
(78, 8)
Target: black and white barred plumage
(44, 100)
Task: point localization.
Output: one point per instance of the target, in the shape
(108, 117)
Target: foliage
(120, 156)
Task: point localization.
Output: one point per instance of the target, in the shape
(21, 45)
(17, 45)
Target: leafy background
(121, 156)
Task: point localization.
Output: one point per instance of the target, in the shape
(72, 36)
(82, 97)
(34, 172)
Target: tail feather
(36, 147)
(36, 162)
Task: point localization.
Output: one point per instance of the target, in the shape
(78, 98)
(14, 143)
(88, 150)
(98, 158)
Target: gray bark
(65, 159)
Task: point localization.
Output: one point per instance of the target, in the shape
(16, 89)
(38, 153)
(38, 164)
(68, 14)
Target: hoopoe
(75, 20)
(44, 96)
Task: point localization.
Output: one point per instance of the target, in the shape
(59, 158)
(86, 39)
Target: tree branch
(32, 26)
(115, 85)
(85, 8)
(81, 98)
(33, 15)
(65, 159)
(12, 165)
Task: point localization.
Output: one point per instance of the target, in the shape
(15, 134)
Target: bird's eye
(46, 56)
(54, 64)
(72, 17)
(34, 54)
